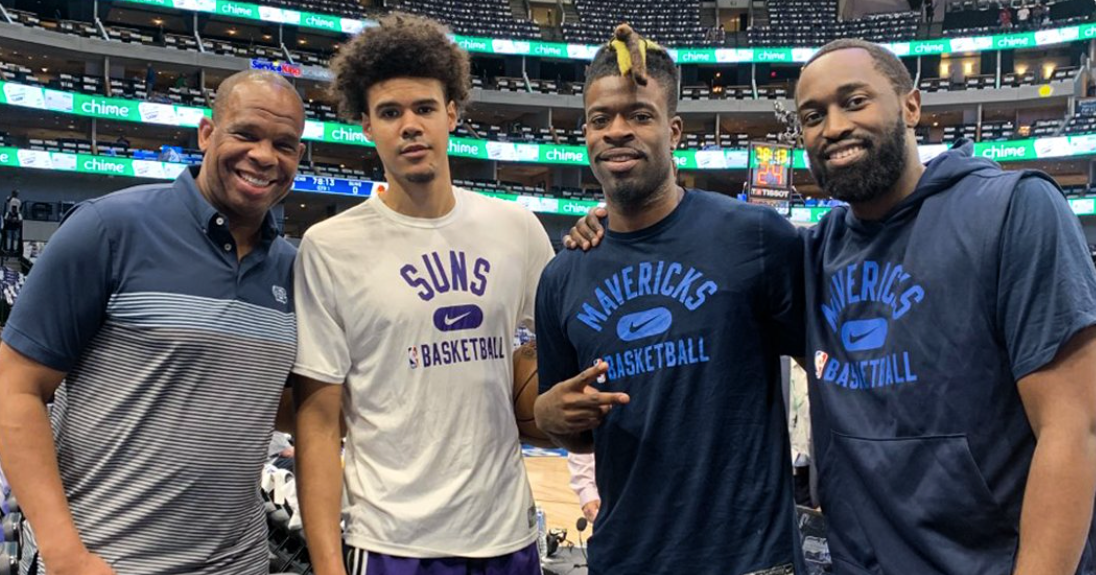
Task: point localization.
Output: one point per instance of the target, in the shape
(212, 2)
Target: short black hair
(399, 46)
(885, 61)
(224, 91)
(659, 66)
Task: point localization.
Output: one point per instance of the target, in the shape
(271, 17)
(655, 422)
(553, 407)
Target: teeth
(845, 153)
(254, 181)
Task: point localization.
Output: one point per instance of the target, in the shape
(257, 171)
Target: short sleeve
(539, 253)
(322, 351)
(1046, 280)
(63, 303)
(783, 249)
(556, 356)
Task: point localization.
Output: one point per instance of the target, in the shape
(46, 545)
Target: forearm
(29, 457)
(575, 443)
(319, 491)
(1057, 509)
(286, 420)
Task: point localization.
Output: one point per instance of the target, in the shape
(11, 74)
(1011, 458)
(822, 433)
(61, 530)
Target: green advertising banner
(250, 11)
(480, 45)
(99, 106)
(125, 167)
(805, 215)
(810, 216)
(89, 164)
(1083, 206)
(335, 133)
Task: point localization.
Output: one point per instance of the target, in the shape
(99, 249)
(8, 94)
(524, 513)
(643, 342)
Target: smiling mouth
(846, 155)
(620, 157)
(253, 180)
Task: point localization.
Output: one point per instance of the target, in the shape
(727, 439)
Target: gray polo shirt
(176, 355)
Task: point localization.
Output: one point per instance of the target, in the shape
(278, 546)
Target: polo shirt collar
(204, 213)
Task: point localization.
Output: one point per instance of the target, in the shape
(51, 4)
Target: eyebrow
(639, 105)
(422, 102)
(843, 90)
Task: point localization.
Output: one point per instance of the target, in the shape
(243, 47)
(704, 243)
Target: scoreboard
(770, 175)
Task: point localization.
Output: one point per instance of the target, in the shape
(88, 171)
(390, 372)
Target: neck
(631, 218)
(432, 199)
(246, 236)
(244, 229)
(877, 208)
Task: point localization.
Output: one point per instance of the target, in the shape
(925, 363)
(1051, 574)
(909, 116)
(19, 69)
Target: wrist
(59, 549)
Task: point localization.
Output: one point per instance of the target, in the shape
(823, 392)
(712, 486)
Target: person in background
(581, 468)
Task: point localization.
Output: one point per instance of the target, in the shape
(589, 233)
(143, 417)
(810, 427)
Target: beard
(421, 177)
(873, 176)
(635, 191)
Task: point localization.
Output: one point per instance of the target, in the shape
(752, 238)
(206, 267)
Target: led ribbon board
(125, 167)
(129, 168)
(329, 23)
(86, 105)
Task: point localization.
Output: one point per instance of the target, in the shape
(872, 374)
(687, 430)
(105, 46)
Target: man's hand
(587, 232)
(590, 510)
(573, 406)
(80, 563)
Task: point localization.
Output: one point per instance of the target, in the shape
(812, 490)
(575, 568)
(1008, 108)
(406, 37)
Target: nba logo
(413, 356)
(600, 378)
(820, 358)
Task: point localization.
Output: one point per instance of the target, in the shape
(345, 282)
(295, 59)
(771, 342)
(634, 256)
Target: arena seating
(344, 8)
(977, 17)
(512, 188)
(813, 23)
(489, 18)
(11, 519)
(670, 22)
(24, 18)
(1080, 124)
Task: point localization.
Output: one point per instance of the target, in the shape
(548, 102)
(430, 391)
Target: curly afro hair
(400, 46)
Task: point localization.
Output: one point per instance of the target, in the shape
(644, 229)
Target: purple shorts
(522, 562)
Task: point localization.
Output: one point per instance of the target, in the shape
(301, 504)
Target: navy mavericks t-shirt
(691, 315)
(920, 326)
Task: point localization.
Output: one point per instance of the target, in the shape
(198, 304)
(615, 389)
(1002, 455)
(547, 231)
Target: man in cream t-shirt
(407, 306)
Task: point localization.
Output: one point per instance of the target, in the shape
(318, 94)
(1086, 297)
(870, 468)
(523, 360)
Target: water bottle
(542, 534)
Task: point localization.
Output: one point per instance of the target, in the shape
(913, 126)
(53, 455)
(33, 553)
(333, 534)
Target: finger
(587, 377)
(609, 399)
(569, 243)
(577, 239)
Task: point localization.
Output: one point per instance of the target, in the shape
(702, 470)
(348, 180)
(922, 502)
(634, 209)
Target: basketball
(525, 394)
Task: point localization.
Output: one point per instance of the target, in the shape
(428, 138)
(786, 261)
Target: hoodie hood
(942, 173)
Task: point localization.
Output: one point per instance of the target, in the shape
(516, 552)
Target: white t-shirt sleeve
(322, 351)
(540, 253)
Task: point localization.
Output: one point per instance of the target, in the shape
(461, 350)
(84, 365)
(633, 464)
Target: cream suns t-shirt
(417, 317)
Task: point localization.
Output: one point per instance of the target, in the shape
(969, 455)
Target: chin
(421, 177)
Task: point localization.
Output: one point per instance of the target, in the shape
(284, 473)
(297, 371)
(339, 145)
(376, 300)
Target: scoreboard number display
(770, 176)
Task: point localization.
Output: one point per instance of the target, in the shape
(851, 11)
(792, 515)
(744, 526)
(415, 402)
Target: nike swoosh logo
(632, 328)
(854, 338)
(449, 321)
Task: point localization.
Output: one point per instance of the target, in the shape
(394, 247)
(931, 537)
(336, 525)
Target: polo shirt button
(220, 221)
(228, 247)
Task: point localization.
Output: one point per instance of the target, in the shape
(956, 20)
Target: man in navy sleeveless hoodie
(950, 313)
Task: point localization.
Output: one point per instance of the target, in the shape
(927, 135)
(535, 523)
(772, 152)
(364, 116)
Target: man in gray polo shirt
(160, 319)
